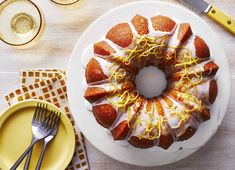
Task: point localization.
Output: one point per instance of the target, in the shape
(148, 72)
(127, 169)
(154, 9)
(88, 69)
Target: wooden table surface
(63, 28)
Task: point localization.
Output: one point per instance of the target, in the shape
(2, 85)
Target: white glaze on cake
(144, 118)
(88, 105)
(173, 41)
(87, 55)
(108, 87)
(190, 45)
(84, 84)
(200, 66)
(202, 90)
(100, 102)
(122, 116)
(172, 119)
(133, 30)
(104, 65)
(118, 50)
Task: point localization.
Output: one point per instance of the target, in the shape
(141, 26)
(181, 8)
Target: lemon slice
(22, 22)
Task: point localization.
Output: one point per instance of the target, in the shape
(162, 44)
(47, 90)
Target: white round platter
(96, 134)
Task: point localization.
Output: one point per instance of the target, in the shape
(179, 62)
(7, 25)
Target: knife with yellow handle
(203, 7)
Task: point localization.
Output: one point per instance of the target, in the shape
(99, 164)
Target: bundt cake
(172, 116)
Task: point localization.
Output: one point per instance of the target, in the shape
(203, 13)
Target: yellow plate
(15, 137)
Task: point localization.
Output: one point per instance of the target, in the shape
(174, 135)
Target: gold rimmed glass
(67, 3)
(22, 23)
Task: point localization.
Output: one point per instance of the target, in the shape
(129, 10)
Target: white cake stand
(96, 134)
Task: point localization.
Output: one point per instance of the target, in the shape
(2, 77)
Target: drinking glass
(22, 23)
(67, 3)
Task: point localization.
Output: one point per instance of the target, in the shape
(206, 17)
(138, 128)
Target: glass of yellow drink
(22, 23)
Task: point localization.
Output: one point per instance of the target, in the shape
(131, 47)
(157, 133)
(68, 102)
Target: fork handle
(26, 165)
(41, 156)
(21, 158)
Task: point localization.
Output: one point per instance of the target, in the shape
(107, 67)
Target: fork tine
(58, 120)
(41, 112)
(55, 121)
(49, 120)
(35, 112)
(51, 124)
(53, 131)
(46, 120)
(38, 113)
(44, 113)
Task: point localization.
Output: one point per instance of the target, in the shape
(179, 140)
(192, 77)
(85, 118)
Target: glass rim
(65, 4)
(39, 29)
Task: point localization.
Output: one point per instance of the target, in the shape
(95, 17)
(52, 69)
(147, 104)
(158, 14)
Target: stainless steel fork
(34, 123)
(47, 140)
(42, 125)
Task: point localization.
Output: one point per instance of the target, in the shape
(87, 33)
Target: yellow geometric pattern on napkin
(50, 85)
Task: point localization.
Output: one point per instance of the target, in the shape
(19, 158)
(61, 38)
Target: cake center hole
(150, 81)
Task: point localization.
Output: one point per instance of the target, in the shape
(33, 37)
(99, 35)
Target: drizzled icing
(149, 125)
(118, 50)
(174, 42)
(88, 105)
(178, 118)
(171, 116)
(202, 90)
(191, 45)
(122, 116)
(133, 30)
(200, 67)
(141, 123)
(124, 101)
(84, 84)
(108, 87)
(87, 55)
(104, 65)
(126, 115)
(100, 102)
(194, 69)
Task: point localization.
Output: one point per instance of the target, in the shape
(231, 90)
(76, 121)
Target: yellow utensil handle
(224, 20)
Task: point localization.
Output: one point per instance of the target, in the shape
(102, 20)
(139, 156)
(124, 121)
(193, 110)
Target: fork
(26, 166)
(47, 140)
(41, 128)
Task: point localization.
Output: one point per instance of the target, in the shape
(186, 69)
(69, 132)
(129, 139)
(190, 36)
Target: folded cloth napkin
(50, 85)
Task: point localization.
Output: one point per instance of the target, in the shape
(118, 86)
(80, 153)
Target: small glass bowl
(22, 23)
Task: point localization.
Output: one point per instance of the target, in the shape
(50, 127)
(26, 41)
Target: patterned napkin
(49, 85)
